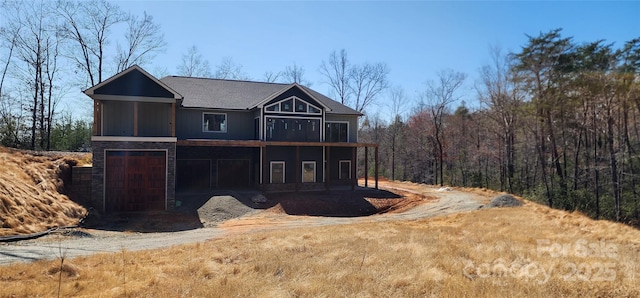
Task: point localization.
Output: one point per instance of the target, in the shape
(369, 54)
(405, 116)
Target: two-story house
(153, 137)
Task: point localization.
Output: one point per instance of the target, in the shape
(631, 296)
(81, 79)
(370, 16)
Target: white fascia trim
(134, 139)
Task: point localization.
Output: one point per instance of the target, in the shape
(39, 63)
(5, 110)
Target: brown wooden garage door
(135, 181)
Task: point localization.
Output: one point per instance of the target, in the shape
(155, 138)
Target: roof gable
(134, 82)
(289, 91)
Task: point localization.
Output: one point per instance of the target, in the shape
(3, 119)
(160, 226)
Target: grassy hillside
(30, 192)
(530, 251)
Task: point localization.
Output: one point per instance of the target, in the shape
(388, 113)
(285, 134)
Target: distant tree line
(559, 122)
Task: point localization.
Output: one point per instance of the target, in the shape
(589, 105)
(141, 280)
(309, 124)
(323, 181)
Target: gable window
(293, 105)
(277, 172)
(287, 105)
(337, 132)
(214, 122)
(301, 106)
(308, 171)
(273, 108)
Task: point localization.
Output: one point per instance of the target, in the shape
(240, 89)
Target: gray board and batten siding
(239, 125)
(154, 119)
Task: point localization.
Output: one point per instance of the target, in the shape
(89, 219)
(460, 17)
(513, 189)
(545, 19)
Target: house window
(337, 132)
(313, 110)
(308, 171)
(345, 169)
(273, 108)
(213, 122)
(277, 172)
(287, 105)
(301, 106)
(293, 129)
(292, 105)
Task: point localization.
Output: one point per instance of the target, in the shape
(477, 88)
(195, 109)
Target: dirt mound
(504, 201)
(222, 207)
(31, 188)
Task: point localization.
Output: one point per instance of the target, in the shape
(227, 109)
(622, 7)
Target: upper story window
(287, 105)
(292, 129)
(293, 105)
(214, 122)
(337, 132)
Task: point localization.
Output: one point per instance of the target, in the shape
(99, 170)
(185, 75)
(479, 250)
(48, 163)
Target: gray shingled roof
(237, 95)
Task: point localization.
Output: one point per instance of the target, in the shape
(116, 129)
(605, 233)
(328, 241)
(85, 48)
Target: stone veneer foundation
(99, 150)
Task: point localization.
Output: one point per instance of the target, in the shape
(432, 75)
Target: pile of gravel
(504, 201)
(223, 207)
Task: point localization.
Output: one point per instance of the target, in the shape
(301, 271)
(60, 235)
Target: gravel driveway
(86, 242)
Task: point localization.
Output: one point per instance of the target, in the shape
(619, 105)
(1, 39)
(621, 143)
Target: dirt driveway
(432, 201)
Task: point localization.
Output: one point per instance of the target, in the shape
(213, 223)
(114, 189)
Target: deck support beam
(366, 166)
(377, 174)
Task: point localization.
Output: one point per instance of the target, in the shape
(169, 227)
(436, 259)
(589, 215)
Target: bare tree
(9, 38)
(193, 64)
(51, 73)
(144, 40)
(439, 96)
(295, 74)
(396, 128)
(160, 71)
(8, 124)
(272, 77)
(362, 81)
(336, 72)
(228, 69)
(367, 82)
(87, 24)
(500, 94)
(36, 45)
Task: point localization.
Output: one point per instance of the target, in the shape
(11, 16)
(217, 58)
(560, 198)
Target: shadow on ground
(335, 203)
(198, 210)
(192, 211)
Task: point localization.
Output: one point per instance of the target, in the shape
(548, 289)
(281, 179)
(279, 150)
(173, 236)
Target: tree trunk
(613, 165)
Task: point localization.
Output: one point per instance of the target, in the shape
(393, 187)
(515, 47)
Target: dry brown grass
(30, 193)
(452, 256)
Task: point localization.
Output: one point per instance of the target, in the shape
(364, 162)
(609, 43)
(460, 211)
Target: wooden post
(298, 165)
(366, 166)
(97, 118)
(327, 178)
(265, 168)
(173, 119)
(354, 174)
(376, 167)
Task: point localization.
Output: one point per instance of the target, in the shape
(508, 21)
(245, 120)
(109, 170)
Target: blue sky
(415, 39)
